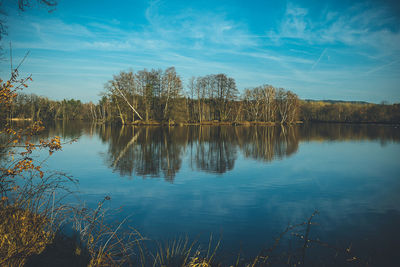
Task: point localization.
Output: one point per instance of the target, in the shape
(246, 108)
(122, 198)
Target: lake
(245, 185)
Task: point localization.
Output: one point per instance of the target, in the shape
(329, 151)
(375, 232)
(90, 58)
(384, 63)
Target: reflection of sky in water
(355, 184)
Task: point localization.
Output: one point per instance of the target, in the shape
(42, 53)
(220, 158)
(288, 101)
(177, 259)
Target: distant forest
(158, 96)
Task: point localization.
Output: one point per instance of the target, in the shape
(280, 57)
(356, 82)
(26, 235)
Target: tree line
(320, 111)
(33, 107)
(159, 96)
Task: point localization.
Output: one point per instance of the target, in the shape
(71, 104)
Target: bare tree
(225, 91)
(269, 102)
(253, 99)
(171, 89)
(201, 89)
(287, 103)
(145, 89)
(192, 84)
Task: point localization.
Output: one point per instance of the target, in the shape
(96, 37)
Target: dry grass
(107, 245)
(175, 253)
(181, 253)
(22, 234)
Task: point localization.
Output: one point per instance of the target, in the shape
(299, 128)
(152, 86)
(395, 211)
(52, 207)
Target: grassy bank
(29, 239)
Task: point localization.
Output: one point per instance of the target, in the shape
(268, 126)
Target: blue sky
(318, 49)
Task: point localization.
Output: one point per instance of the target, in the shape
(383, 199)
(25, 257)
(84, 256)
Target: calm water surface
(245, 184)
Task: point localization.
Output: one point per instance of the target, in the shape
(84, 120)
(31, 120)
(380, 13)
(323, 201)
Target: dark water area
(245, 185)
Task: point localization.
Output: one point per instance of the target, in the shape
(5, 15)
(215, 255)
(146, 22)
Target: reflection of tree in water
(158, 151)
(344, 132)
(66, 129)
(288, 141)
(146, 151)
(268, 142)
(171, 151)
(215, 149)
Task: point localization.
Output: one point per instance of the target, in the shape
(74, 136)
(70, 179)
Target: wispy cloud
(203, 28)
(359, 25)
(349, 43)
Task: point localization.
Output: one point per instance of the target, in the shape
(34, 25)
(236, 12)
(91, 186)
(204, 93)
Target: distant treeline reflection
(158, 151)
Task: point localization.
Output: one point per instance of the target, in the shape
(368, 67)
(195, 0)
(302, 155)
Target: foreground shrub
(22, 234)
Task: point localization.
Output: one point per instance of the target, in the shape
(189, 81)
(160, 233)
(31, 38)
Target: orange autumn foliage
(25, 227)
(17, 142)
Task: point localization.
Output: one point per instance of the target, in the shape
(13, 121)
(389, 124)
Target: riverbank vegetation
(339, 111)
(159, 97)
(32, 211)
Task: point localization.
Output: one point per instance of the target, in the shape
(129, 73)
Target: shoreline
(208, 123)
